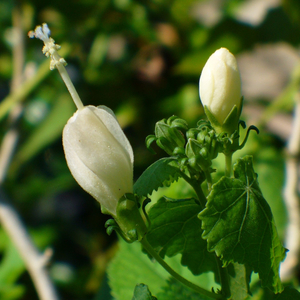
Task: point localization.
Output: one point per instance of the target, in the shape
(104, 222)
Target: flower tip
(40, 32)
(31, 34)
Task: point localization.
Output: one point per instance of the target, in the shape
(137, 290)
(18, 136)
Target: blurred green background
(143, 59)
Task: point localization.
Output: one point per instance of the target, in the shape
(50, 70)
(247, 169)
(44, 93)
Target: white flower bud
(99, 155)
(220, 84)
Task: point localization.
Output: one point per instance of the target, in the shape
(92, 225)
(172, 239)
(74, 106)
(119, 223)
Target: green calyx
(230, 143)
(230, 123)
(128, 221)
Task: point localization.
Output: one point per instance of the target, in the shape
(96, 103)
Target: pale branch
(11, 223)
(291, 198)
(34, 261)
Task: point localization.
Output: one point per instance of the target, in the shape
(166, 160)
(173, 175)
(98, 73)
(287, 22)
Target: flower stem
(228, 164)
(50, 50)
(181, 279)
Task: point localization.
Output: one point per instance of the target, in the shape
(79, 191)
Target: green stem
(208, 179)
(228, 164)
(197, 188)
(181, 279)
(224, 278)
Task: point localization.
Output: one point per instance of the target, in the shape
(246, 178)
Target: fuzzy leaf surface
(130, 267)
(289, 293)
(238, 225)
(177, 291)
(161, 173)
(175, 229)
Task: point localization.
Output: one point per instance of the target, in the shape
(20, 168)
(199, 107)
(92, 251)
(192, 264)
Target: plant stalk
(197, 188)
(228, 164)
(224, 278)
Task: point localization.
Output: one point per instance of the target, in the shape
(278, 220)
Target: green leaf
(239, 281)
(161, 173)
(131, 267)
(11, 291)
(175, 229)
(176, 291)
(141, 292)
(289, 293)
(12, 265)
(11, 268)
(239, 226)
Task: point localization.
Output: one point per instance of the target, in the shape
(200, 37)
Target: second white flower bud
(220, 86)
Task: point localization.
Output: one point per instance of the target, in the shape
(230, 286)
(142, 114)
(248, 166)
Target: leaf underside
(238, 225)
(175, 229)
(161, 173)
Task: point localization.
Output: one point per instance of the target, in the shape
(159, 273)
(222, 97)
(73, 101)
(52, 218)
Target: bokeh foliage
(142, 59)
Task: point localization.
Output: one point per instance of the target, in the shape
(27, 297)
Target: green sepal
(105, 211)
(252, 127)
(111, 225)
(149, 140)
(213, 121)
(230, 123)
(129, 218)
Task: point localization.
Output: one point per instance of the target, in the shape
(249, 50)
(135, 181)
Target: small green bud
(197, 154)
(204, 152)
(168, 137)
(178, 123)
(192, 133)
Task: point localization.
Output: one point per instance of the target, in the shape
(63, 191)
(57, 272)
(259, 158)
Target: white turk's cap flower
(220, 85)
(97, 151)
(99, 155)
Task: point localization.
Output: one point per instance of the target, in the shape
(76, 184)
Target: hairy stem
(181, 279)
(224, 278)
(197, 188)
(228, 164)
(208, 180)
